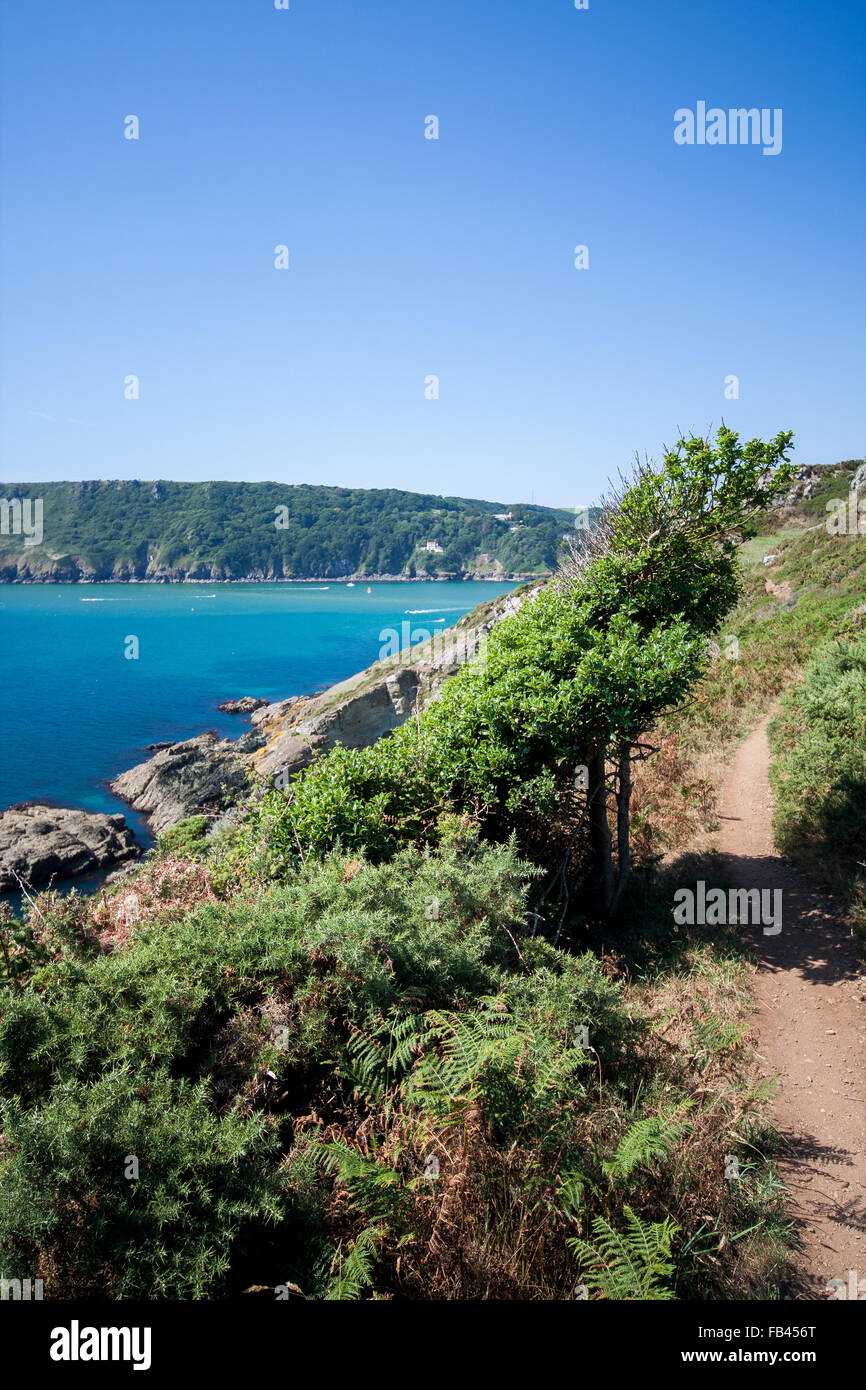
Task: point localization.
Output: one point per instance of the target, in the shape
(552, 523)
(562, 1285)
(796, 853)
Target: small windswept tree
(572, 680)
(664, 552)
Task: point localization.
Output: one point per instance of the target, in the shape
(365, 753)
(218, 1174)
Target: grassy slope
(820, 586)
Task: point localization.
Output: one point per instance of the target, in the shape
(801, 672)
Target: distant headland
(165, 532)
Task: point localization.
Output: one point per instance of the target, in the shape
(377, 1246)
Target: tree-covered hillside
(221, 530)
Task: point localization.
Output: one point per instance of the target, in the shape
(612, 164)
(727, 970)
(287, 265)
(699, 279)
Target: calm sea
(76, 710)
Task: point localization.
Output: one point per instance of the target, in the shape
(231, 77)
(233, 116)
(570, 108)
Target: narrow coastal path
(809, 1030)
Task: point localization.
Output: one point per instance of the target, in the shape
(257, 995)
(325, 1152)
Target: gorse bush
(162, 1050)
(252, 1093)
(129, 1185)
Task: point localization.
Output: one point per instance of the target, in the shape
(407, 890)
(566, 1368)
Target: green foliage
(819, 772)
(185, 840)
(504, 736)
(66, 1196)
(57, 928)
(20, 950)
(222, 530)
(645, 1143)
(354, 1272)
(164, 1050)
(283, 1066)
(629, 1264)
(821, 578)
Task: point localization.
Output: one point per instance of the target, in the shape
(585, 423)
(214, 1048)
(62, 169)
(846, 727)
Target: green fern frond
(628, 1265)
(379, 1057)
(376, 1189)
(646, 1142)
(464, 1045)
(354, 1273)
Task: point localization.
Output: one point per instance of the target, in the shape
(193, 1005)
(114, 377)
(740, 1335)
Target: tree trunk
(600, 829)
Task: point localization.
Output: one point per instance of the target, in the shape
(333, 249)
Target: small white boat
(350, 584)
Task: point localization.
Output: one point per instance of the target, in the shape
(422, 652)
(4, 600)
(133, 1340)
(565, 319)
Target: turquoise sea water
(75, 711)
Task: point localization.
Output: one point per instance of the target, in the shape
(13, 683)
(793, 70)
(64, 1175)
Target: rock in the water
(198, 777)
(42, 842)
(246, 705)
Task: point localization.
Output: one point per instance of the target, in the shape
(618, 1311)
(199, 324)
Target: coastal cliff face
(293, 731)
(208, 775)
(27, 569)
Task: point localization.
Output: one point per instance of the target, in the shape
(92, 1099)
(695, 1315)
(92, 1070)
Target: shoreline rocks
(22, 569)
(200, 776)
(248, 704)
(40, 842)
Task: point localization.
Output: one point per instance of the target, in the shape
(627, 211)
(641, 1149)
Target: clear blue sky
(412, 257)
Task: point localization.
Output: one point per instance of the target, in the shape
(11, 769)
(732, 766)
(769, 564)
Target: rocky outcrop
(246, 705)
(807, 477)
(344, 715)
(207, 775)
(199, 776)
(803, 483)
(38, 843)
(857, 481)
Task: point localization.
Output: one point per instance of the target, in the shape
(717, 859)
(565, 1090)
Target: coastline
(474, 578)
(207, 771)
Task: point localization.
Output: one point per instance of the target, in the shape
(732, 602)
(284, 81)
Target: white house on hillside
(434, 547)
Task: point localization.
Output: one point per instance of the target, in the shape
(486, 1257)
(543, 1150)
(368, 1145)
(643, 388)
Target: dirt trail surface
(810, 1032)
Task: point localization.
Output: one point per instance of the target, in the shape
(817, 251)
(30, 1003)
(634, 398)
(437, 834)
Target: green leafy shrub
(819, 772)
(185, 840)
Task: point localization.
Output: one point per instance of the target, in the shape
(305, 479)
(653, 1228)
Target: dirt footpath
(810, 1031)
